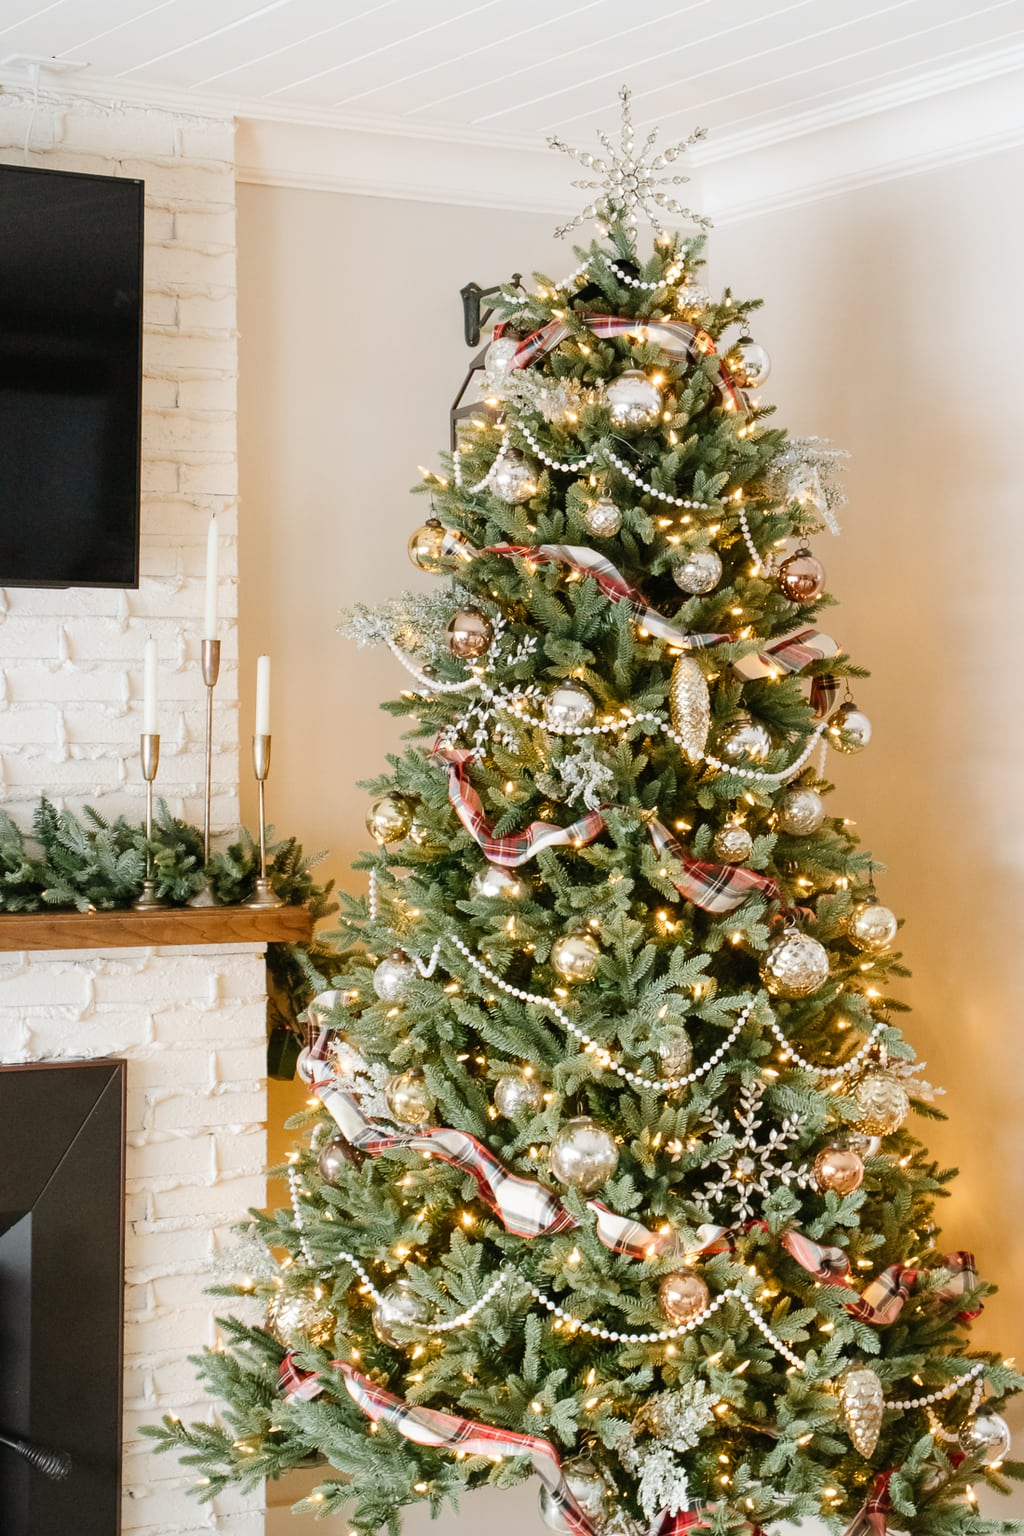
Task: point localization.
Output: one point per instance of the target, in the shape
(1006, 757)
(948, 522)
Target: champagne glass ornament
(500, 355)
(438, 550)
(583, 1155)
(883, 1103)
(399, 1315)
(683, 1296)
(389, 819)
(568, 708)
(872, 927)
(732, 844)
(494, 881)
(634, 400)
(801, 811)
(575, 955)
(515, 1093)
(863, 1402)
(838, 1168)
(408, 1098)
(698, 572)
(743, 740)
(512, 480)
(392, 977)
(749, 363)
(690, 706)
(675, 1051)
(299, 1318)
(794, 965)
(333, 1158)
(603, 518)
(849, 729)
(989, 1434)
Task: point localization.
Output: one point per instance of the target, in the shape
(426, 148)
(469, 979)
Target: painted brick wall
(191, 1024)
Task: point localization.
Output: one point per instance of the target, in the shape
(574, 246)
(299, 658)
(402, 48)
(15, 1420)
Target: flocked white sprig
(579, 776)
(807, 471)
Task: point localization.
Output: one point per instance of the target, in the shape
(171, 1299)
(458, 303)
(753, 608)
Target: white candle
(210, 616)
(149, 689)
(263, 696)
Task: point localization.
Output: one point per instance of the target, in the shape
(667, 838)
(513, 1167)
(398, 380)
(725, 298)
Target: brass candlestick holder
(204, 897)
(149, 753)
(264, 896)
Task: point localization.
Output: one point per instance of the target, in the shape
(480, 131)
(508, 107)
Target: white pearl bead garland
(293, 1190)
(762, 567)
(570, 468)
(481, 485)
(672, 275)
(431, 684)
(652, 490)
(842, 1069)
(942, 1395)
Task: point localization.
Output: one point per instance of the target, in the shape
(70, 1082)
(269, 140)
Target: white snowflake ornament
(755, 1164)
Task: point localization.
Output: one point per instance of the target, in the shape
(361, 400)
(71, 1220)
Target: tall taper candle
(212, 551)
(262, 696)
(149, 690)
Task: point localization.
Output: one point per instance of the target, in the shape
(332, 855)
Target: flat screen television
(70, 378)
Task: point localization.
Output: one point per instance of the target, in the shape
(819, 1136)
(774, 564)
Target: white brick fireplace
(189, 1022)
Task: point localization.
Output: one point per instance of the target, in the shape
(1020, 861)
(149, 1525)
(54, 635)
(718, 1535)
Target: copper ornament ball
(683, 1296)
(469, 634)
(839, 1169)
(389, 818)
(802, 577)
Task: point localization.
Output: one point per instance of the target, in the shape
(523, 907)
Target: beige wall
(893, 320)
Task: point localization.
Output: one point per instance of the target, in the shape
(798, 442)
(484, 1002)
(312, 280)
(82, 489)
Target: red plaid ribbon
(520, 846)
(451, 1432)
(713, 887)
(870, 1520)
(791, 653)
(675, 338)
(963, 1279)
(295, 1384)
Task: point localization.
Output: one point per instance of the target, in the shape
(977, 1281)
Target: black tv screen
(70, 378)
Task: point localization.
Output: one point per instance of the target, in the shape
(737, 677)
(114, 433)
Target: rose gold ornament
(838, 1169)
(469, 634)
(802, 577)
(682, 1296)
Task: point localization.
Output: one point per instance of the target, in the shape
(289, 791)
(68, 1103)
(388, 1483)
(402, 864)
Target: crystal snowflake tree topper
(630, 182)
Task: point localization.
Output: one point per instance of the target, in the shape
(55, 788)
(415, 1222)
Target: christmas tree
(606, 1174)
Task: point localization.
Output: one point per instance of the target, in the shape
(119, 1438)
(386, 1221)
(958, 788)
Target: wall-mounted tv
(70, 378)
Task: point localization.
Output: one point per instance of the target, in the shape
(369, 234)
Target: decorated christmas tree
(607, 1173)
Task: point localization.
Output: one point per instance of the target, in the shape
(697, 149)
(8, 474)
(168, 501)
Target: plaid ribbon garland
(791, 653)
(295, 1384)
(713, 887)
(452, 1432)
(963, 1279)
(881, 1300)
(870, 1519)
(830, 1265)
(517, 848)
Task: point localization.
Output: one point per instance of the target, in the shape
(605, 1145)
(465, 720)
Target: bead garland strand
(432, 684)
(563, 464)
(481, 485)
(652, 490)
(293, 1190)
(843, 1069)
(672, 275)
(942, 1395)
(935, 1423)
(761, 566)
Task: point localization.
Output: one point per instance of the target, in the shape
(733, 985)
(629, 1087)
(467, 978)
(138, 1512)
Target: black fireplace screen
(61, 1306)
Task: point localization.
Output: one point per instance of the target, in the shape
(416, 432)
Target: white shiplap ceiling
(516, 70)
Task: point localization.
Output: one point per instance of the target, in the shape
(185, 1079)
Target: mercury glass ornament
(839, 1169)
(801, 811)
(743, 740)
(499, 355)
(682, 1296)
(494, 881)
(732, 844)
(512, 480)
(749, 363)
(603, 518)
(438, 550)
(689, 705)
(634, 400)
(392, 977)
(883, 1104)
(698, 572)
(575, 955)
(300, 1317)
(872, 927)
(693, 296)
(399, 1308)
(587, 1487)
(988, 1433)
(568, 707)
(389, 819)
(863, 1403)
(515, 1092)
(802, 577)
(469, 633)
(794, 965)
(408, 1098)
(334, 1157)
(849, 730)
(860, 1142)
(583, 1155)
(675, 1051)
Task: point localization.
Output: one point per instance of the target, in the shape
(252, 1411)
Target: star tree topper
(630, 183)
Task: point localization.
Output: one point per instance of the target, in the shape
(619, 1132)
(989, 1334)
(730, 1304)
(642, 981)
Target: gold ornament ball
(399, 1308)
(675, 1052)
(583, 1155)
(988, 1433)
(801, 811)
(801, 577)
(683, 1296)
(872, 927)
(299, 1317)
(469, 634)
(882, 1102)
(634, 400)
(732, 844)
(438, 550)
(392, 977)
(389, 819)
(849, 730)
(515, 1092)
(575, 955)
(749, 363)
(743, 740)
(568, 707)
(839, 1169)
(513, 480)
(408, 1098)
(494, 881)
(603, 518)
(794, 965)
(698, 572)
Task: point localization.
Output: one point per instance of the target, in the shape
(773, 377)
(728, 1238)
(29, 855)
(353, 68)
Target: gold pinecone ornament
(690, 706)
(863, 1403)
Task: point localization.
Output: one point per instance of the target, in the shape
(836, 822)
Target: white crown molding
(939, 117)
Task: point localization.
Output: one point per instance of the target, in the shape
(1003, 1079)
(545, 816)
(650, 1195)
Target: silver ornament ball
(732, 844)
(575, 955)
(872, 927)
(583, 1155)
(512, 480)
(494, 881)
(801, 811)
(988, 1433)
(515, 1093)
(634, 400)
(603, 518)
(333, 1158)
(749, 363)
(408, 1098)
(849, 730)
(698, 572)
(794, 965)
(743, 740)
(399, 1315)
(392, 977)
(499, 355)
(568, 707)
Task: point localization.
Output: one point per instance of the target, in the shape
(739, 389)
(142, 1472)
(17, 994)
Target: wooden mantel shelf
(168, 925)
